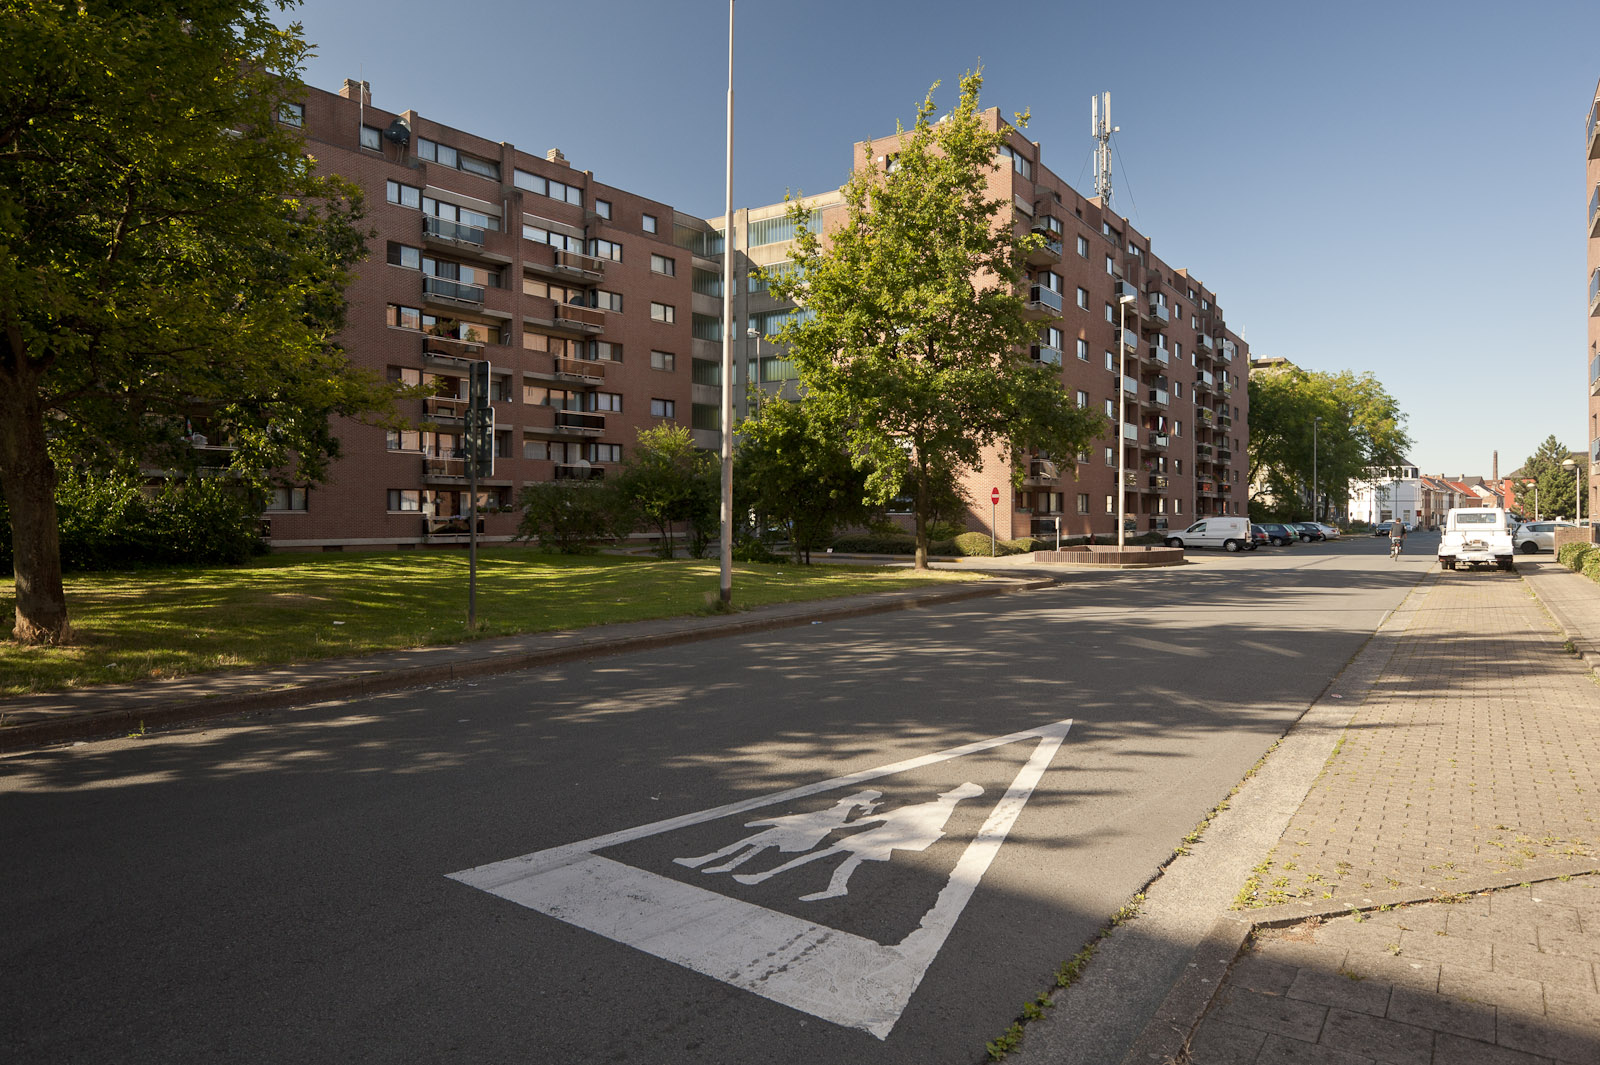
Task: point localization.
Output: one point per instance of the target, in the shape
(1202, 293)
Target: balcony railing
(1224, 455)
(456, 352)
(1131, 479)
(1207, 417)
(1594, 293)
(1156, 440)
(585, 319)
(1206, 486)
(1594, 373)
(1158, 396)
(1593, 132)
(1229, 350)
(1224, 422)
(1130, 341)
(436, 407)
(1046, 354)
(1158, 481)
(1202, 342)
(579, 471)
(589, 371)
(1130, 385)
(1049, 253)
(1594, 213)
(444, 288)
(1159, 311)
(1161, 355)
(434, 466)
(1043, 470)
(444, 229)
(1202, 451)
(587, 264)
(580, 421)
(1042, 297)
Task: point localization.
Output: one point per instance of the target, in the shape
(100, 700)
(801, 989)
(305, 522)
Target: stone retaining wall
(1125, 557)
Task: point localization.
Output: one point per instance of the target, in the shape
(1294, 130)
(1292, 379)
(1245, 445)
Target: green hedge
(1572, 555)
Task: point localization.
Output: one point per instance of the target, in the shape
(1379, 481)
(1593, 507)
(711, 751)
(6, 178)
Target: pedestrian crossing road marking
(840, 976)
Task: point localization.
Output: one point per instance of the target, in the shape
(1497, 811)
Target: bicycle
(1395, 544)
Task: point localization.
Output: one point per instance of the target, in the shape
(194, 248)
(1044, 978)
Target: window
(292, 114)
(1083, 502)
(556, 240)
(648, 223)
(1177, 506)
(606, 249)
(1111, 313)
(607, 401)
(1083, 349)
(1111, 505)
(403, 440)
(435, 152)
(405, 375)
(404, 317)
(1083, 398)
(1177, 428)
(605, 452)
(291, 498)
(663, 265)
(1083, 298)
(1051, 280)
(372, 137)
(606, 301)
(663, 312)
(663, 360)
(463, 215)
(405, 255)
(663, 408)
(1111, 408)
(1111, 267)
(481, 167)
(606, 351)
(1083, 247)
(404, 499)
(556, 190)
(533, 286)
(404, 195)
(1018, 163)
(1111, 361)
(602, 208)
(1177, 390)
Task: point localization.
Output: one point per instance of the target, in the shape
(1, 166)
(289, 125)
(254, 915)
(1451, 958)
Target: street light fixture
(1123, 300)
(752, 372)
(1577, 484)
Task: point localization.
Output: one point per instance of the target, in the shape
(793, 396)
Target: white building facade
(1388, 494)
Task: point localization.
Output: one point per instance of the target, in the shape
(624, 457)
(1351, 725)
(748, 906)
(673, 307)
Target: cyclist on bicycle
(1397, 538)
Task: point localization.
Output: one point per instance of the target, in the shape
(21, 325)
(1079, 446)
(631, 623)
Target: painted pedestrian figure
(791, 833)
(909, 828)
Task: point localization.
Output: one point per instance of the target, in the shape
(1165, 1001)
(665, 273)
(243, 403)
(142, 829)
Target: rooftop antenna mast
(1102, 129)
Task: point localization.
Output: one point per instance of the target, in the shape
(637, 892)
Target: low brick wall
(1124, 557)
(1564, 536)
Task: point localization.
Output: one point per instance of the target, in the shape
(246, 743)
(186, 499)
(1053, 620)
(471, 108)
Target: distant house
(1388, 493)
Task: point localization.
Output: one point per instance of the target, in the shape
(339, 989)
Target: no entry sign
(994, 496)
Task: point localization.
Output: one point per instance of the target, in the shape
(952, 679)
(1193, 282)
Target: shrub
(1591, 566)
(568, 516)
(876, 544)
(1572, 555)
(754, 551)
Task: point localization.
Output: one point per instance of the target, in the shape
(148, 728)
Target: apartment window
(405, 255)
(481, 167)
(606, 301)
(405, 500)
(606, 351)
(1083, 502)
(608, 401)
(292, 114)
(1083, 398)
(1177, 390)
(435, 152)
(533, 286)
(663, 408)
(1111, 361)
(1083, 247)
(1111, 505)
(1111, 267)
(1111, 408)
(292, 497)
(372, 137)
(606, 249)
(663, 360)
(663, 265)
(602, 208)
(1177, 351)
(1111, 313)
(1083, 298)
(404, 195)
(405, 375)
(1177, 428)
(1177, 506)
(1018, 163)
(1177, 467)
(648, 223)
(1083, 349)
(464, 215)
(404, 317)
(663, 312)
(605, 452)
(556, 190)
(402, 440)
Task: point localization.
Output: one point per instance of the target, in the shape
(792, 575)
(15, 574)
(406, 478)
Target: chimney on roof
(554, 155)
(352, 87)
(1494, 469)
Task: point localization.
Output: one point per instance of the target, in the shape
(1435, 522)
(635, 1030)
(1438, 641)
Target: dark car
(1308, 531)
(1258, 536)
(1279, 535)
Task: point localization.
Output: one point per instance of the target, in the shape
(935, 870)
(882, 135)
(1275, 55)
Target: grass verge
(281, 609)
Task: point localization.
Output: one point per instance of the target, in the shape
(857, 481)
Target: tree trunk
(922, 514)
(28, 479)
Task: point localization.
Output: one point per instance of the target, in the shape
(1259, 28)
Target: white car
(1328, 531)
(1540, 535)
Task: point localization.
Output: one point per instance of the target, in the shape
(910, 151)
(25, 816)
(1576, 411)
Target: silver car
(1539, 535)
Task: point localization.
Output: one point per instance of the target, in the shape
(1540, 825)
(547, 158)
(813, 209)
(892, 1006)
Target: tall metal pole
(1122, 418)
(471, 425)
(727, 344)
(1314, 515)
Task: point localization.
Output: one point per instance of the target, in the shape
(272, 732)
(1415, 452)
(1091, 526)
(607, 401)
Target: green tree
(665, 480)
(1358, 426)
(1558, 484)
(793, 469)
(166, 250)
(914, 338)
(569, 516)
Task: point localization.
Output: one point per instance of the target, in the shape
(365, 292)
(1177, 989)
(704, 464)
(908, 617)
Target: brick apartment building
(599, 311)
(1186, 433)
(1592, 186)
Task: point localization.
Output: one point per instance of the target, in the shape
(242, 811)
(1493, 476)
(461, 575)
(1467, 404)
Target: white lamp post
(1577, 484)
(752, 373)
(726, 589)
(1314, 515)
(1122, 418)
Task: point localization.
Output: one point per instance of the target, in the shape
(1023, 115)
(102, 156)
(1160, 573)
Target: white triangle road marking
(840, 977)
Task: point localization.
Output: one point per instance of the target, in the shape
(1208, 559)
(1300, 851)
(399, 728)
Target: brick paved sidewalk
(1473, 764)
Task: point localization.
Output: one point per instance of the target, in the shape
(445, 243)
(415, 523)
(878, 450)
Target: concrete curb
(234, 694)
(1583, 644)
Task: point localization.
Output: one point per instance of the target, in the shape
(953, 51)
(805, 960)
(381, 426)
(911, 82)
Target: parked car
(1308, 530)
(1279, 535)
(1477, 536)
(1258, 537)
(1540, 535)
(1230, 534)
(1329, 532)
(1383, 528)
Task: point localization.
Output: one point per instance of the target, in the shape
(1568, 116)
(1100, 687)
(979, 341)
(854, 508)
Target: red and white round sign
(994, 496)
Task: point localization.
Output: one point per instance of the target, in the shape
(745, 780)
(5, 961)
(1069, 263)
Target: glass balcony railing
(1130, 341)
(444, 288)
(1159, 311)
(1158, 396)
(1594, 212)
(1202, 341)
(1046, 354)
(1045, 297)
(1130, 385)
(1156, 439)
(443, 228)
(1160, 354)
(1594, 292)
(1130, 431)
(1229, 350)
(580, 421)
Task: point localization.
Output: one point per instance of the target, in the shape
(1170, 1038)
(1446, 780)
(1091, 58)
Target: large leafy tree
(665, 481)
(166, 250)
(1358, 426)
(914, 337)
(1558, 484)
(793, 469)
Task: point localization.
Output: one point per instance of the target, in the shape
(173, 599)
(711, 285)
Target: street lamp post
(1577, 485)
(1314, 515)
(725, 591)
(1122, 417)
(752, 374)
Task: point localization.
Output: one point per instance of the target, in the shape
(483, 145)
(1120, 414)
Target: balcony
(1156, 440)
(581, 371)
(1202, 343)
(1046, 354)
(1229, 350)
(566, 265)
(1131, 479)
(1158, 396)
(1043, 302)
(1158, 310)
(450, 352)
(1226, 386)
(1594, 293)
(579, 471)
(437, 230)
(1594, 131)
(1050, 253)
(1042, 471)
(1594, 213)
(1206, 487)
(440, 289)
(443, 408)
(1223, 421)
(1594, 376)
(1158, 481)
(587, 320)
(578, 423)
(1206, 417)
(1045, 528)
(1224, 456)
(1130, 432)
(1130, 385)
(1160, 355)
(1203, 452)
(439, 468)
(447, 528)
(1130, 342)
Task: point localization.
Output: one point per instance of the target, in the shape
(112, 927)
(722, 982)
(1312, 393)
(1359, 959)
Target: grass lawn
(292, 608)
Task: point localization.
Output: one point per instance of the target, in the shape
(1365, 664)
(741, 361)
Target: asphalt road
(542, 866)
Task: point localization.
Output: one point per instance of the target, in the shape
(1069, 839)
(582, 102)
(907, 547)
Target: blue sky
(1395, 188)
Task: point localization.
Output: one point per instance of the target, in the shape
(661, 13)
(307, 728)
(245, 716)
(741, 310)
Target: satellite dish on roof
(398, 131)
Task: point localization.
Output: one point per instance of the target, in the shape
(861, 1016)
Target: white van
(1230, 534)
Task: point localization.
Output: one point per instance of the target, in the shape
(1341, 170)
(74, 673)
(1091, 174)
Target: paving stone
(1377, 1038)
(1508, 931)
(1299, 952)
(1550, 1037)
(1278, 1050)
(1567, 1005)
(1561, 969)
(1387, 968)
(1494, 989)
(1543, 914)
(1425, 1009)
(1273, 1013)
(1454, 1050)
(1584, 945)
(1457, 950)
(1256, 973)
(1353, 935)
(1219, 1043)
(1335, 989)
